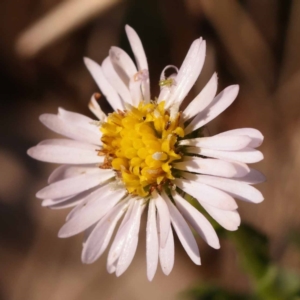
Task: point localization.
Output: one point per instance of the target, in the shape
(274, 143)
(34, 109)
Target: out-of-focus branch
(64, 18)
(246, 46)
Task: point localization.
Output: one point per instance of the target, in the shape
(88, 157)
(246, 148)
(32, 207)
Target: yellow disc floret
(140, 145)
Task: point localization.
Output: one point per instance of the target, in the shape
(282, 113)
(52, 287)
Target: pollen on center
(140, 145)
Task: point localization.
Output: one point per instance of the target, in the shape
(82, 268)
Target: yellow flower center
(140, 145)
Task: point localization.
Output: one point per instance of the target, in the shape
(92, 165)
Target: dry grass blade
(63, 19)
(244, 43)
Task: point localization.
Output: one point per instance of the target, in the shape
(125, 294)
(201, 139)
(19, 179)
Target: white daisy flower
(148, 155)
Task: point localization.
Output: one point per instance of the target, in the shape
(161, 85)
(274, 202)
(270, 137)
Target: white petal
(217, 106)
(117, 245)
(197, 221)
(246, 155)
(204, 98)
(130, 244)
(164, 217)
(96, 207)
(95, 108)
(116, 82)
(108, 91)
(100, 236)
(184, 234)
(166, 254)
(56, 124)
(68, 171)
(64, 154)
(122, 63)
(135, 91)
(229, 219)
(140, 57)
(227, 143)
(255, 135)
(75, 185)
(151, 242)
(235, 188)
(69, 143)
(164, 94)
(253, 177)
(77, 119)
(207, 194)
(212, 167)
(189, 71)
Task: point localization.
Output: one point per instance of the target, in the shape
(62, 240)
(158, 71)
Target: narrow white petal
(255, 135)
(197, 221)
(212, 167)
(117, 245)
(68, 171)
(140, 57)
(116, 82)
(135, 91)
(96, 207)
(100, 236)
(63, 154)
(184, 233)
(164, 94)
(189, 71)
(229, 219)
(217, 106)
(131, 242)
(253, 177)
(227, 143)
(207, 194)
(72, 129)
(123, 64)
(75, 185)
(95, 107)
(203, 99)
(69, 143)
(108, 91)
(167, 254)
(164, 217)
(237, 189)
(246, 155)
(151, 242)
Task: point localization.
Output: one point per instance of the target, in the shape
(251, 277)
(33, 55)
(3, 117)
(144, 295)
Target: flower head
(148, 155)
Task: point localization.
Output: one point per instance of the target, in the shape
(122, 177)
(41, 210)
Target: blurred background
(255, 43)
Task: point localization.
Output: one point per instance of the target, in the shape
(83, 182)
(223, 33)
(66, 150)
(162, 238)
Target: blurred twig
(63, 19)
(244, 43)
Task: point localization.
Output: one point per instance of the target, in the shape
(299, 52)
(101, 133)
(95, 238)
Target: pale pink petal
(203, 99)
(235, 188)
(212, 167)
(246, 155)
(164, 217)
(130, 244)
(197, 221)
(96, 207)
(227, 143)
(75, 185)
(140, 57)
(64, 154)
(167, 254)
(229, 219)
(123, 64)
(207, 194)
(116, 82)
(184, 233)
(108, 91)
(117, 245)
(217, 106)
(253, 177)
(188, 72)
(98, 239)
(151, 242)
(255, 135)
